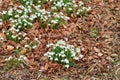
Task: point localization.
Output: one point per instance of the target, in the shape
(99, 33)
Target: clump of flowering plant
(58, 12)
(63, 53)
(13, 62)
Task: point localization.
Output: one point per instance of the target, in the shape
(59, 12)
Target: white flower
(70, 9)
(23, 58)
(66, 61)
(77, 13)
(26, 38)
(81, 56)
(45, 54)
(13, 36)
(76, 58)
(56, 59)
(19, 11)
(67, 66)
(73, 54)
(51, 58)
(24, 34)
(61, 42)
(75, 5)
(51, 53)
(89, 8)
(77, 50)
(7, 33)
(4, 12)
(1, 38)
(63, 55)
(26, 45)
(9, 58)
(17, 30)
(49, 45)
(16, 16)
(19, 26)
(1, 23)
(19, 38)
(54, 21)
(81, 3)
(62, 52)
(36, 39)
(34, 46)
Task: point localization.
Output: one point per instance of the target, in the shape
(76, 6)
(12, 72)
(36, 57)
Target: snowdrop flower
(75, 5)
(53, 8)
(63, 55)
(7, 33)
(1, 38)
(34, 46)
(77, 50)
(51, 53)
(22, 57)
(81, 3)
(1, 22)
(26, 38)
(26, 46)
(61, 42)
(49, 45)
(56, 59)
(21, 6)
(89, 8)
(66, 60)
(51, 58)
(19, 11)
(17, 30)
(70, 9)
(9, 58)
(4, 12)
(19, 38)
(77, 13)
(19, 26)
(81, 56)
(62, 52)
(67, 66)
(54, 21)
(16, 16)
(76, 58)
(73, 54)
(24, 34)
(10, 12)
(13, 36)
(45, 54)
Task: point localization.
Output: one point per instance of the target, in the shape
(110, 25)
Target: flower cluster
(63, 53)
(24, 15)
(13, 62)
(28, 11)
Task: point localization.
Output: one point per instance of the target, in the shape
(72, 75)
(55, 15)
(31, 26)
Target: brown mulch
(99, 51)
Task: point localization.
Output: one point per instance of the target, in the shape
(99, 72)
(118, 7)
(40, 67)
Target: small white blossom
(66, 60)
(77, 50)
(81, 56)
(76, 58)
(23, 58)
(26, 46)
(9, 58)
(67, 66)
(56, 59)
(13, 36)
(34, 46)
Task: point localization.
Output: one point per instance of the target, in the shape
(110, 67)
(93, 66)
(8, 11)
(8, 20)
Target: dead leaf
(23, 51)
(10, 48)
(46, 66)
(100, 54)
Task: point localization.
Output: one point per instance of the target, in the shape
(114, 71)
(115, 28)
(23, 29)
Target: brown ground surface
(101, 51)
